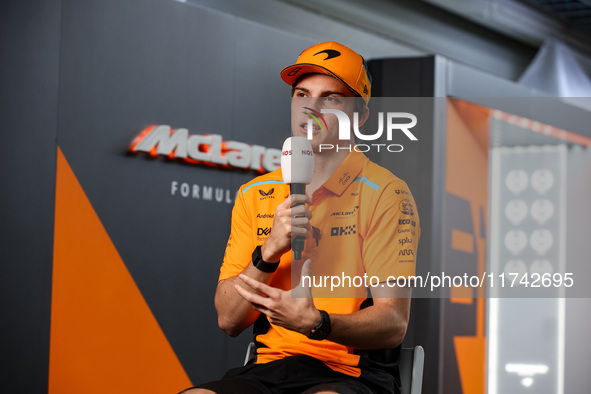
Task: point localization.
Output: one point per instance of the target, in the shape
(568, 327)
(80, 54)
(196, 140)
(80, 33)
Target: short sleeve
(240, 242)
(390, 245)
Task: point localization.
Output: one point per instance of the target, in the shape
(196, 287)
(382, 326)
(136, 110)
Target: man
(357, 218)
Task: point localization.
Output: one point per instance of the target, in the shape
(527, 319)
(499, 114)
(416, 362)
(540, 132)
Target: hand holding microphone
(297, 167)
(291, 225)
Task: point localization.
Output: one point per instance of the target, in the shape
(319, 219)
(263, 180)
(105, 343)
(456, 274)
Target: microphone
(297, 167)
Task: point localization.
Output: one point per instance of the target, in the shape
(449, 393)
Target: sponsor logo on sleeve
(406, 252)
(402, 222)
(265, 215)
(263, 230)
(405, 240)
(406, 207)
(263, 233)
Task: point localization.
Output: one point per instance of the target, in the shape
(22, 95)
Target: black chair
(410, 366)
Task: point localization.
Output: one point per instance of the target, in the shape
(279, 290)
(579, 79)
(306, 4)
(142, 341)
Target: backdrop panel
(29, 74)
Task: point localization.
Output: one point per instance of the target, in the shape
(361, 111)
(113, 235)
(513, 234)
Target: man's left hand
(293, 309)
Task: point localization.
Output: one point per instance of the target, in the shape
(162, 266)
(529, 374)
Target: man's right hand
(235, 313)
(290, 221)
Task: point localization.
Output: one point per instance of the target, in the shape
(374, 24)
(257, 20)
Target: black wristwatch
(258, 262)
(322, 330)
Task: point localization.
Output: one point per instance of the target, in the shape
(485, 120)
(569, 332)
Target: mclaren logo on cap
(331, 53)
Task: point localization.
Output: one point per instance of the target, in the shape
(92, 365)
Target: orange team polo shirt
(364, 222)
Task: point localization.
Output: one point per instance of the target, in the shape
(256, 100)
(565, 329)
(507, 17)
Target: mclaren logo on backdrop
(209, 149)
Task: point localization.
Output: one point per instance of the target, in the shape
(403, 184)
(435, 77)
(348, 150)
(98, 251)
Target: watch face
(323, 329)
(323, 332)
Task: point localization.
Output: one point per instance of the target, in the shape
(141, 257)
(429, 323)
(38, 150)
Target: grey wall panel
(127, 66)
(30, 45)
(412, 79)
(389, 28)
(313, 24)
(261, 100)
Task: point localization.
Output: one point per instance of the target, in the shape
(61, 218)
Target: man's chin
(316, 146)
(304, 133)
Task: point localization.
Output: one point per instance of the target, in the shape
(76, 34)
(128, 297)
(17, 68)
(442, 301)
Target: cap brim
(290, 76)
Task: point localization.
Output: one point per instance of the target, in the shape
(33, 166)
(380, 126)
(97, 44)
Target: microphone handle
(297, 188)
(297, 244)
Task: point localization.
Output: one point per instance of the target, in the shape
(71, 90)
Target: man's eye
(332, 100)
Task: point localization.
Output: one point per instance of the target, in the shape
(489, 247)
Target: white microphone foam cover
(297, 160)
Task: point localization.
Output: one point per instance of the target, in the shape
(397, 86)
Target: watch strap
(258, 262)
(323, 329)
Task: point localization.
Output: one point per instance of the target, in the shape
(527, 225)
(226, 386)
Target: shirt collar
(346, 173)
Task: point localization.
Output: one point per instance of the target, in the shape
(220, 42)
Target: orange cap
(332, 58)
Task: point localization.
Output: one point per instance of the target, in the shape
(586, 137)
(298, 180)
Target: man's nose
(314, 103)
